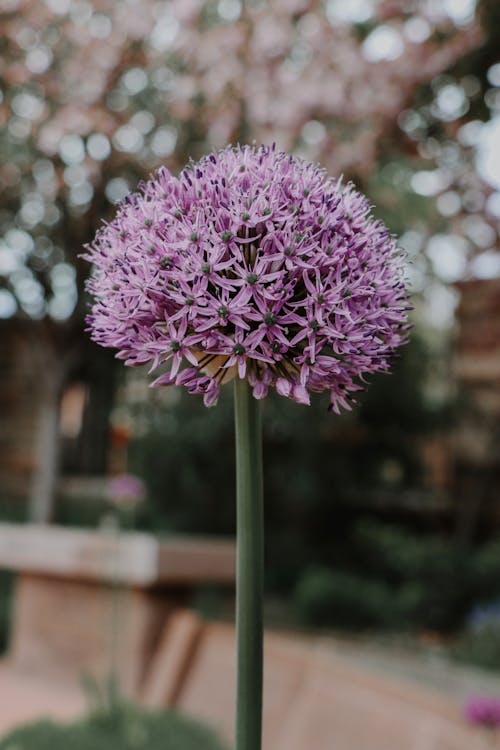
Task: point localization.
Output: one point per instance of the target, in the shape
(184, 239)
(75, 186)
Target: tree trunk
(43, 486)
(53, 360)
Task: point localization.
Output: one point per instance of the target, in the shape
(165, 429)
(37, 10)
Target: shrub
(327, 598)
(479, 647)
(432, 579)
(486, 572)
(6, 590)
(394, 579)
(121, 728)
(479, 643)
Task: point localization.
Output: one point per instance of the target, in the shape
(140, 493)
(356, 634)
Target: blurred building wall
(19, 402)
(477, 371)
(86, 400)
(477, 362)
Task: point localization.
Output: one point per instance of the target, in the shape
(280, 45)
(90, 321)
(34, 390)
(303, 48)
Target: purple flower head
(126, 488)
(483, 710)
(251, 264)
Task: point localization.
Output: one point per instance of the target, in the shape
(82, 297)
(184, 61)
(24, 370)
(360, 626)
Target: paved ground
(425, 665)
(326, 693)
(25, 697)
(391, 686)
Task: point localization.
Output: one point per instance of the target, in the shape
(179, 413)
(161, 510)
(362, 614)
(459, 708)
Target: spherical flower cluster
(252, 263)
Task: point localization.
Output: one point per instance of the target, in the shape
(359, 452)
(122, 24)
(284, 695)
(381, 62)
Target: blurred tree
(96, 94)
(320, 472)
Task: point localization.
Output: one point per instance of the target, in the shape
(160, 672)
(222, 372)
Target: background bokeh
(384, 519)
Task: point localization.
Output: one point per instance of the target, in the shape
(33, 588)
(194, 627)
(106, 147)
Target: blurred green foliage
(343, 600)
(480, 648)
(319, 469)
(396, 579)
(6, 592)
(486, 571)
(120, 728)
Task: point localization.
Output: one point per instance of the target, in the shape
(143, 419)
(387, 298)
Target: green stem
(249, 567)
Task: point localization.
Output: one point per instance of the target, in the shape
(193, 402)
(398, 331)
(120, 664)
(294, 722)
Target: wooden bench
(91, 603)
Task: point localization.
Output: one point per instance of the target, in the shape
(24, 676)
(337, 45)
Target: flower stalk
(249, 566)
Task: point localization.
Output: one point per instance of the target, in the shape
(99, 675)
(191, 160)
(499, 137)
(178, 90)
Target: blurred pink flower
(126, 488)
(483, 710)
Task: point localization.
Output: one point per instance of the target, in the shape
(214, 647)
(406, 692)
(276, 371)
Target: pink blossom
(483, 710)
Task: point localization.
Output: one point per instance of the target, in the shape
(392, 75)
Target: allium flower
(126, 488)
(252, 263)
(483, 710)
